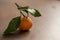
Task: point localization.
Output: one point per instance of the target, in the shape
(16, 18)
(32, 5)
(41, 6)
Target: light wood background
(46, 27)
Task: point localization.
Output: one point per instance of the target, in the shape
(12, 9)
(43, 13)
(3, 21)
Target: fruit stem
(22, 13)
(27, 15)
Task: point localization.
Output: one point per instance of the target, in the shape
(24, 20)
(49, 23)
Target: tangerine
(26, 23)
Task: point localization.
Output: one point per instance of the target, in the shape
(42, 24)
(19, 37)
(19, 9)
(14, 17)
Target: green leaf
(34, 12)
(26, 9)
(13, 25)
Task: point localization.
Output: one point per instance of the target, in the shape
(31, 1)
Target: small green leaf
(24, 8)
(34, 12)
(13, 25)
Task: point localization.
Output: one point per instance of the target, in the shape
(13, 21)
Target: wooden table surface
(46, 27)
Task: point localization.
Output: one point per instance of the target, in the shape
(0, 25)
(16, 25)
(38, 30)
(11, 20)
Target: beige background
(46, 27)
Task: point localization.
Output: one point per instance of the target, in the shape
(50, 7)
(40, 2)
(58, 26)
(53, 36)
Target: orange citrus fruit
(26, 23)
